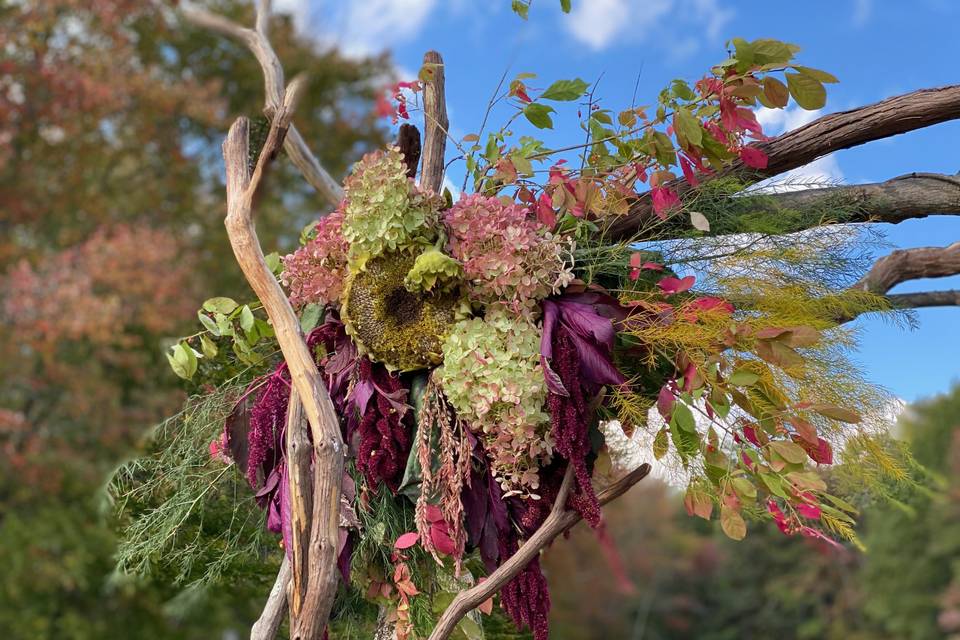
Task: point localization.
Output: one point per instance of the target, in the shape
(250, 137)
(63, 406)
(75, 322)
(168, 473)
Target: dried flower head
(384, 210)
(491, 375)
(507, 255)
(315, 272)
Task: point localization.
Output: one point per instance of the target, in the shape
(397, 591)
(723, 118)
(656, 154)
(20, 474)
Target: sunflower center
(404, 307)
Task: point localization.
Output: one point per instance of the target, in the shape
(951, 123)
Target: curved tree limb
(257, 41)
(924, 299)
(823, 136)
(242, 187)
(914, 195)
(267, 625)
(911, 264)
(559, 520)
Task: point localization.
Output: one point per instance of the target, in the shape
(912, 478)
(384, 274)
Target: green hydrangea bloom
(434, 268)
(491, 375)
(383, 210)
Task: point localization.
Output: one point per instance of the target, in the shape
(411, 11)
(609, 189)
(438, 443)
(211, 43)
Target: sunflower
(404, 330)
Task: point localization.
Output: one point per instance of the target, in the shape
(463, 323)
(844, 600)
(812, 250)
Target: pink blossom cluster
(316, 271)
(508, 256)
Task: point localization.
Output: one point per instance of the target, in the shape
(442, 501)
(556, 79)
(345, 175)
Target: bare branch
(914, 195)
(435, 123)
(267, 625)
(299, 455)
(259, 44)
(923, 299)
(559, 520)
(825, 135)
(911, 264)
(328, 446)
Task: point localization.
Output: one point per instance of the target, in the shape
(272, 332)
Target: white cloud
(599, 24)
(360, 27)
(821, 172)
(862, 10)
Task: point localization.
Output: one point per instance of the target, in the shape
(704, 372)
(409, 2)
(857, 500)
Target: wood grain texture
(328, 446)
(435, 123)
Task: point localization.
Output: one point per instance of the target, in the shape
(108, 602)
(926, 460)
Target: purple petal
(595, 364)
(582, 319)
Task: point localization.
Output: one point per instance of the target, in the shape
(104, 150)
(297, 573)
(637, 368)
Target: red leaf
(664, 199)
(753, 157)
(545, 213)
(653, 266)
(811, 511)
(709, 303)
(434, 514)
(687, 167)
(441, 540)
(671, 285)
(407, 540)
(665, 400)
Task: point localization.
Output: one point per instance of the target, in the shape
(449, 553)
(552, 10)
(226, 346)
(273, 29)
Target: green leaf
(246, 318)
(789, 451)
(539, 115)
(817, 74)
(682, 90)
(220, 305)
(743, 378)
(732, 523)
(837, 413)
(310, 317)
(688, 127)
(660, 444)
(775, 92)
(565, 90)
(520, 8)
(208, 324)
(565, 6)
(684, 418)
(744, 488)
(808, 92)
(273, 262)
(774, 485)
(209, 348)
(767, 51)
(183, 360)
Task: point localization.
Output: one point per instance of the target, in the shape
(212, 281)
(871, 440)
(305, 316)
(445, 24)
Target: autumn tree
(110, 113)
(423, 396)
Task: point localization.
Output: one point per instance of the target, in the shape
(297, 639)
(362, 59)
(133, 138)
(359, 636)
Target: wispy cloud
(599, 24)
(361, 27)
(862, 10)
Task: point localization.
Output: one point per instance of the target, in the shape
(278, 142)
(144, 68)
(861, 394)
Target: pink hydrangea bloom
(508, 256)
(315, 272)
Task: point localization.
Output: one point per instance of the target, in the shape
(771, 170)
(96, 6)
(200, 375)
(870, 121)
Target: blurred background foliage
(111, 115)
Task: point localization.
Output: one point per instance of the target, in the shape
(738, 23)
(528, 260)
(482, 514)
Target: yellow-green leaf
(808, 92)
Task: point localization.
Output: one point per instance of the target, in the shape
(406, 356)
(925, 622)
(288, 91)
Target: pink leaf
(811, 511)
(671, 285)
(664, 199)
(753, 157)
(442, 541)
(653, 266)
(688, 172)
(407, 540)
(545, 213)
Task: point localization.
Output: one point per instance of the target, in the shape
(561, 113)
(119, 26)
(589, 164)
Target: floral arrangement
(477, 350)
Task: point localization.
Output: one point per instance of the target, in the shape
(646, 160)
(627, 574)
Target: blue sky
(877, 49)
